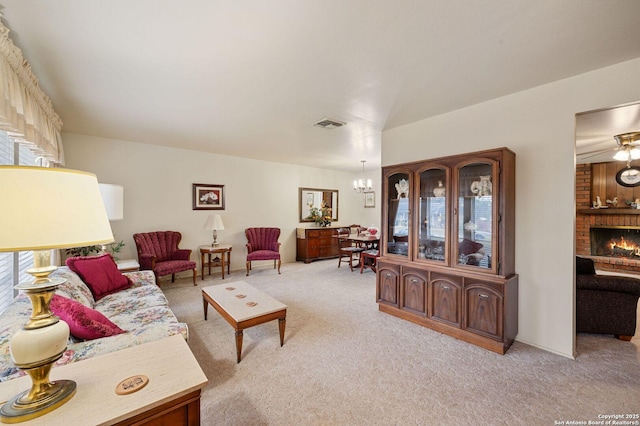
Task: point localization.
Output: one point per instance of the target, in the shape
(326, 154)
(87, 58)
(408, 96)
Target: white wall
(537, 124)
(158, 193)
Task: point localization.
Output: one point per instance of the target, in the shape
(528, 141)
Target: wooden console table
(172, 395)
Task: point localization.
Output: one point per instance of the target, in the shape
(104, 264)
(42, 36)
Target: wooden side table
(172, 395)
(222, 258)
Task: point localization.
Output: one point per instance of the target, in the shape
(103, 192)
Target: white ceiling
(250, 78)
(595, 131)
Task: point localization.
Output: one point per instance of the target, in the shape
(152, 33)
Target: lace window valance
(26, 112)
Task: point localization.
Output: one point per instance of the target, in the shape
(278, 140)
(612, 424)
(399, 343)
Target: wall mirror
(314, 197)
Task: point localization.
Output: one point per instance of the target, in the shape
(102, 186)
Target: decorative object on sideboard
(208, 197)
(214, 223)
(482, 187)
(402, 188)
(322, 215)
(439, 191)
(364, 184)
(30, 195)
(597, 204)
(373, 230)
(613, 202)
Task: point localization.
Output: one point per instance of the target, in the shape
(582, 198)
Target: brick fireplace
(624, 220)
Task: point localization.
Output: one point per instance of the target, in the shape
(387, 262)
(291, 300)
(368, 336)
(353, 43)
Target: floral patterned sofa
(141, 310)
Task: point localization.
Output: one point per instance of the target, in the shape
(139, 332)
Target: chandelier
(364, 184)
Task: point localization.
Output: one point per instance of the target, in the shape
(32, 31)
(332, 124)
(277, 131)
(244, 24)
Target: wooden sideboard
(317, 243)
(172, 395)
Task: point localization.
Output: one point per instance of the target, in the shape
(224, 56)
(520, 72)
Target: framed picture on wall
(208, 197)
(370, 199)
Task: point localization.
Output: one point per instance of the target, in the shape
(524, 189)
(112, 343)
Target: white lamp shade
(113, 198)
(47, 208)
(622, 155)
(214, 222)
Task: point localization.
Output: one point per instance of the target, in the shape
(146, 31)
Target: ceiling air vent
(327, 123)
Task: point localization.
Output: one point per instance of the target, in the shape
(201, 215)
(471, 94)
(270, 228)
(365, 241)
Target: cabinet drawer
(325, 251)
(325, 241)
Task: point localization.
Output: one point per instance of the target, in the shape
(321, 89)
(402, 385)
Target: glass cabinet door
(475, 215)
(433, 215)
(398, 214)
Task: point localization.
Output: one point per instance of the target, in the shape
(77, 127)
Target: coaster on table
(132, 384)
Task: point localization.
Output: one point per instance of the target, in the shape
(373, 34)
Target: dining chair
(348, 249)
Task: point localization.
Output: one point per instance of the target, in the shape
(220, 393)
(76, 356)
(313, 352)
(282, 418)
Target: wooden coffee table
(244, 306)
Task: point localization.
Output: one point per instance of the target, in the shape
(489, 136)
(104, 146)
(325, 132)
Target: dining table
(368, 241)
(371, 244)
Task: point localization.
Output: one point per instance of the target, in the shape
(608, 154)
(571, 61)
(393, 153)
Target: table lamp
(214, 223)
(44, 209)
(113, 199)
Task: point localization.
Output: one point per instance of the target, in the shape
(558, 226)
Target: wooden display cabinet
(448, 247)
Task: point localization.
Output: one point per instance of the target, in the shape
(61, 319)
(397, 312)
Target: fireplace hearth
(615, 241)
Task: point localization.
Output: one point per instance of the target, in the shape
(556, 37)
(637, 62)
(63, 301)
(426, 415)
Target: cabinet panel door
(484, 310)
(388, 283)
(397, 213)
(433, 214)
(477, 212)
(446, 293)
(313, 249)
(413, 292)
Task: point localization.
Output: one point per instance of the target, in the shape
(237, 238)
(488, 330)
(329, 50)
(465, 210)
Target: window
(13, 266)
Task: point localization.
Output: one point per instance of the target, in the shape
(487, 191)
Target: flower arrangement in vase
(321, 216)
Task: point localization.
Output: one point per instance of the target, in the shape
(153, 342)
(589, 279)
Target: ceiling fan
(627, 150)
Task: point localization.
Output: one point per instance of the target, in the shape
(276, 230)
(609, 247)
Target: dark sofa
(605, 304)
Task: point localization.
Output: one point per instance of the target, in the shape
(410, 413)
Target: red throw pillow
(99, 273)
(84, 323)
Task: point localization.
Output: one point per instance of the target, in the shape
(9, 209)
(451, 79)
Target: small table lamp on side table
(214, 223)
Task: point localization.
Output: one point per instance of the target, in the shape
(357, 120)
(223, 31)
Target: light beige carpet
(345, 363)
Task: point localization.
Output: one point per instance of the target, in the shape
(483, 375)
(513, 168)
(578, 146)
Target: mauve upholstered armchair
(158, 251)
(605, 304)
(262, 244)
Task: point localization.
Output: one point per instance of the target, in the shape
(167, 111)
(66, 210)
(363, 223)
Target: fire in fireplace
(615, 241)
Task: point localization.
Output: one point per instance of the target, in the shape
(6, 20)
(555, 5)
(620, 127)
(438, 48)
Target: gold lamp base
(26, 406)
(34, 349)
